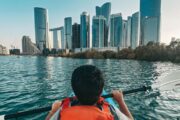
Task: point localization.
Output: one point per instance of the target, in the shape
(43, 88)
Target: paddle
(48, 108)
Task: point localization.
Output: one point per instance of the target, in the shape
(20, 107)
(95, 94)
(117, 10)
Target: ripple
(30, 82)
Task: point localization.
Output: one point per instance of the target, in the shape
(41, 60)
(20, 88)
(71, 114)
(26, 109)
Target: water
(30, 82)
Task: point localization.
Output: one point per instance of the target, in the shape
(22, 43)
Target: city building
(58, 38)
(68, 32)
(41, 28)
(62, 38)
(135, 30)
(3, 50)
(98, 31)
(128, 41)
(85, 30)
(14, 51)
(50, 39)
(28, 47)
(116, 31)
(105, 10)
(124, 35)
(76, 36)
(150, 20)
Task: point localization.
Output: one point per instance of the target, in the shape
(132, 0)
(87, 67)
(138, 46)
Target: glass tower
(128, 42)
(150, 15)
(62, 38)
(98, 31)
(135, 30)
(41, 28)
(105, 10)
(68, 32)
(116, 32)
(76, 36)
(85, 30)
(123, 44)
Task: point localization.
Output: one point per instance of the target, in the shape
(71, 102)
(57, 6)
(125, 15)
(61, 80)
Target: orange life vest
(85, 112)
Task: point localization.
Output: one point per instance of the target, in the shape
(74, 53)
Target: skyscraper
(98, 31)
(116, 31)
(41, 28)
(128, 42)
(135, 30)
(76, 36)
(150, 15)
(28, 47)
(124, 35)
(85, 30)
(68, 32)
(62, 38)
(105, 10)
(58, 37)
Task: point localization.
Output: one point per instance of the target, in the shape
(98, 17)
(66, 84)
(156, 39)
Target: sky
(17, 16)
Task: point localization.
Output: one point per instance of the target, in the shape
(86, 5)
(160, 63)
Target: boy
(87, 83)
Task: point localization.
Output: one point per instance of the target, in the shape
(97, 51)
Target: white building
(3, 50)
(28, 47)
(58, 38)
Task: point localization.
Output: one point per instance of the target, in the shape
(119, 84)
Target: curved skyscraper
(41, 28)
(85, 30)
(105, 10)
(150, 17)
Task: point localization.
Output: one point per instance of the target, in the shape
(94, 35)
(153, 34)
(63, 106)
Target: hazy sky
(17, 16)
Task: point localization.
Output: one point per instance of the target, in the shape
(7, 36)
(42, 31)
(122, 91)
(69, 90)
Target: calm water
(31, 82)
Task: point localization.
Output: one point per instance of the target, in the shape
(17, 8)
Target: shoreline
(152, 52)
(73, 56)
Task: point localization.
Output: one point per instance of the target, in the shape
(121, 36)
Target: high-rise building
(28, 47)
(128, 41)
(76, 36)
(135, 30)
(62, 38)
(98, 31)
(50, 39)
(124, 35)
(105, 10)
(116, 31)
(85, 30)
(68, 32)
(58, 37)
(41, 28)
(150, 15)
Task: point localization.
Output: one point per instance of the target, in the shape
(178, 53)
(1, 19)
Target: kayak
(109, 100)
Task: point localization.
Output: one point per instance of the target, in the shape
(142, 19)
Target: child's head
(87, 83)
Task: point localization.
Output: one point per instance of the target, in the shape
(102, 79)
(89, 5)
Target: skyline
(23, 16)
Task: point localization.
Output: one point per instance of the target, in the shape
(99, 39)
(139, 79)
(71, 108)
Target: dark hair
(87, 83)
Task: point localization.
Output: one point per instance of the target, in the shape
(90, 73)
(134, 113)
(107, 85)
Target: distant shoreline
(98, 55)
(152, 52)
